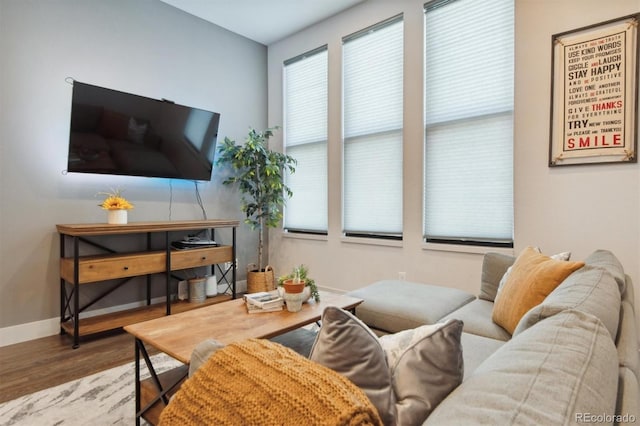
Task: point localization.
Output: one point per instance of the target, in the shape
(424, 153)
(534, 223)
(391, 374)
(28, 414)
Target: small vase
(117, 217)
(294, 301)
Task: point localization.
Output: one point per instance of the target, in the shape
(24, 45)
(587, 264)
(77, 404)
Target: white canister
(212, 286)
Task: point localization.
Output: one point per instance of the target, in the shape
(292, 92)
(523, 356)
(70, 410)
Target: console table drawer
(200, 257)
(100, 268)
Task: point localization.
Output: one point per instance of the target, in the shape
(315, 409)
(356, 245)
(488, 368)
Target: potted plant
(259, 173)
(300, 275)
(116, 206)
(295, 284)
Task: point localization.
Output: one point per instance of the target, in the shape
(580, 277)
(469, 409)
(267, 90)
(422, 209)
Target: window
(372, 108)
(468, 101)
(305, 139)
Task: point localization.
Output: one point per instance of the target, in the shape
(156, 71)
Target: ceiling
(264, 21)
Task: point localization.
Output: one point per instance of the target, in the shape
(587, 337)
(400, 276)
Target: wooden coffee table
(177, 335)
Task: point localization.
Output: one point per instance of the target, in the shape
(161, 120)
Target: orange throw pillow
(532, 278)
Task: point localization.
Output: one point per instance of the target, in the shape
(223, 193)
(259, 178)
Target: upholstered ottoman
(392, 305)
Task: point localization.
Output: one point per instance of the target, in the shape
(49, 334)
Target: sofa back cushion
(590, 289)
(629, 293)
(532, 278)
(605, 259)
(494, 266)
(549, 374)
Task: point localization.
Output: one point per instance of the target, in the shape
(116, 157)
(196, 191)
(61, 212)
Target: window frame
(463, 243)
(364, 234)
(301, 231)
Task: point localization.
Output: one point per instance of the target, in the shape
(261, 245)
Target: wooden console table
(77, 270)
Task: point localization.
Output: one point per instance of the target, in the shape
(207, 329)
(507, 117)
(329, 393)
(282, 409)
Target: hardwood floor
(50, 361)
(42, 363)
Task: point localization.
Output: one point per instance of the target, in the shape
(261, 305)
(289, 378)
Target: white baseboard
(49, 327)
(332, 290)
(29, 331)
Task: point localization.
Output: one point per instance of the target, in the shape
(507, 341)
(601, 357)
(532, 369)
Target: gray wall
(578, 208)
(144, 47)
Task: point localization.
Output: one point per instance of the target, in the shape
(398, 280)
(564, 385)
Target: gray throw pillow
(405, 375)
(346, 345)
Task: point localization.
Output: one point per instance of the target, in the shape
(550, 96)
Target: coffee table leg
(162, 392)
(140, 349)
(138, 343)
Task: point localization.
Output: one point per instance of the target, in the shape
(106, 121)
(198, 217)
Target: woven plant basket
(260, 280)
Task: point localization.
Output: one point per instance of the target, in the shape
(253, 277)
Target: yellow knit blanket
(258, 382)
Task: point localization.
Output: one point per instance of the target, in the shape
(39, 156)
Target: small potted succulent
(298, 281)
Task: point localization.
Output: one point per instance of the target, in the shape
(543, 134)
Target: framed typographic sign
(594, 94)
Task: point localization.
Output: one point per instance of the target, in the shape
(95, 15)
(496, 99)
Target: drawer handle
(126, 268)
(204, 258)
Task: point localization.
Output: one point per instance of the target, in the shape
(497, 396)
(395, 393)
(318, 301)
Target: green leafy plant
(301, 273)
(259, 173)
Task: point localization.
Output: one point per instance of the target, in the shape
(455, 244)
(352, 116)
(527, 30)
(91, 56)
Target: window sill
(304, 236)
(461, 248)
(371, 241)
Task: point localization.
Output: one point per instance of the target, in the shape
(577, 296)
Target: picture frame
(594, 94)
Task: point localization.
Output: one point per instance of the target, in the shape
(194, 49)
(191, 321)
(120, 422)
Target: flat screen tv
(119, 133)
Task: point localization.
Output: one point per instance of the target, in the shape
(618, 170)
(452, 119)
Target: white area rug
(108, 397)
(105, 398)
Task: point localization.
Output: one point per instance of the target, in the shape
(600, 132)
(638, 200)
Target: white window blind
(468, 101)
(372, 108)
(305, 138)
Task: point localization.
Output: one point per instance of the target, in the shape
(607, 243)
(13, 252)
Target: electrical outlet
(402, 276)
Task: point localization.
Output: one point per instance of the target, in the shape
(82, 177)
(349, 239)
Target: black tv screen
(119, 133)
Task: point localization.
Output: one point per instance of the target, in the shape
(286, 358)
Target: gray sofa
(572, 359)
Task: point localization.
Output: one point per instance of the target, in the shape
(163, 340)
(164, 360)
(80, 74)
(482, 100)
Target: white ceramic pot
(294, 301)
(117, 217)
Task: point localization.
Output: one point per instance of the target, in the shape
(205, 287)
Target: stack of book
(264, 301)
